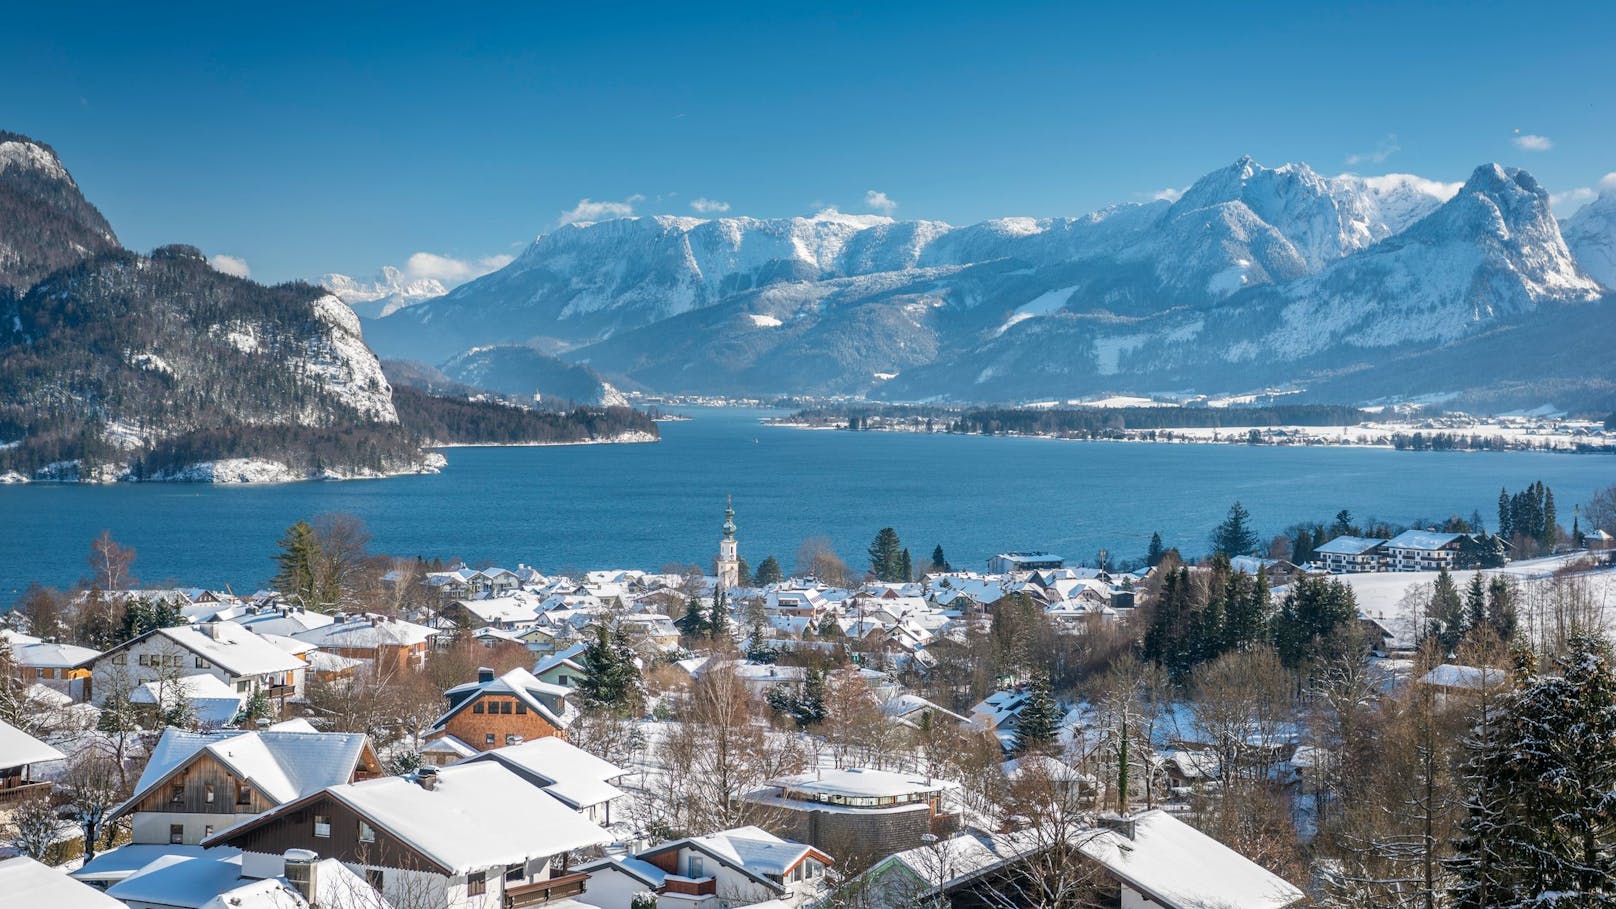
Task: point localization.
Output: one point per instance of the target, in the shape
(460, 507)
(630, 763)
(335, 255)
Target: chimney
(212, 629)
(302, 872)
(484, 675)
(427, 777)
(1125, 825)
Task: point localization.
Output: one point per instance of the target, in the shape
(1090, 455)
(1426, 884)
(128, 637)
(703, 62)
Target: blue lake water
(644, 506)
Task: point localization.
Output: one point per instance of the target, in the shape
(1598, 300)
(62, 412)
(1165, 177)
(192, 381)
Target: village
(1033, 733)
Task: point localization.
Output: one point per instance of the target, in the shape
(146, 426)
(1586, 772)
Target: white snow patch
(762, 321)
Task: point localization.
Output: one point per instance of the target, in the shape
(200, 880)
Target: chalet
(19, 750)
(58, 666)
(506, 613)
(198, 783)
(745, 865)
(652, 634)
(474, 836)
(234, 655)
(27, 883)
(1423, 550)
(283, 620)
(564, 667)
(857, 811)
(384, 642)
(580, 780)
(508, 710)
(1350, 555)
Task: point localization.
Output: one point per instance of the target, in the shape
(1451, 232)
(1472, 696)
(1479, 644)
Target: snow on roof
(754, 849)
(448, 744)
(18, 748)
(291, 645)
(474, 816)
(117, 864)
(861, 781)
(26, 882)
(46, 655)
(1424, 540)
(644, 871)
(283, 621)
(235, 649)
(362, 632)
(187, 882)
(283, 765)
(214, 701)
(518, 683)
(1453, 675)
(568, 656)
(1176, 865)
(1349, 545)
(570, 773)
(320, 661)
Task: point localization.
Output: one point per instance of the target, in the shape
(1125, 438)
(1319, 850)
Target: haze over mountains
(1347, 288)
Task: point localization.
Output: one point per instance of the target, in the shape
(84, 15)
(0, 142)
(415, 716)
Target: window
(695, 869)
(521, 707)
(243, 794)
(322, 825)
(207, 831)
(488, 739)
(243, 685)
(120, 659)
(367, 834)
(513, 873)
(476, 883)
(207, 793)
(373, 877)
(145, 659)
(176, 834)
(176, 793)
(202, 664)
(477, 707)
(513, 739)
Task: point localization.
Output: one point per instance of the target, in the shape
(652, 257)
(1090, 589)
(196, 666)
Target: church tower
(729, 561)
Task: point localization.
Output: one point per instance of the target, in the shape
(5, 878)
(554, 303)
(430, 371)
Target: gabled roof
(518, 683)
(1349, 545)
(752, 851)
(568, 657)
(363, 632)
(564, 770)
(1425, 540)
(1179, 867)
(474, 816)
(224, 644)
(27, 883)
(188, 882)
(639, 869)
(18, 748)
(281, 764)
(46, 655)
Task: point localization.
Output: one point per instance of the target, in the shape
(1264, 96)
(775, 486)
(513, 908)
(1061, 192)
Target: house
(564, 667)
(473, 836)
(742, 866)
(19, 750)
(914, 712)
(580, 780)
(1451, 680)
(57, 666)
(197, 783)
(506, 613)
(857, 811)
(387, 643)
(513, 708)
(236, 656)
(283, 620)
(1423, 550)
(1347, 554)
(213, 702)
(1147, 859)
(1008, 562)
(215, 881)
(26, 884)
(650, 633)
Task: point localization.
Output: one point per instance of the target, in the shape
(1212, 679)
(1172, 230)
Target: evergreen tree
(886, 555)
(1343, 524)
(811, 706)
(1475, 602)
(1245, 611)
(1234, 536)
(1302, 551)
(1315, 621)
(1549, 533)
(299, 576)
(718, 620)
(1164, 639)
(1501, 608)
(1038, 724)
(1153, 555)
(906, 567)
(1447, 619)
(610, 680)
(743, 572)
(694, 621)
(938, 562)
(1505, 529)
(768, 572)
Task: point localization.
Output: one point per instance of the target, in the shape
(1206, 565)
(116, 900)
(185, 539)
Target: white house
(225, 650)
(1422, 550)
(745, 865)
(18, 750)
(1347, 554)
(26, 883)
(580, 780)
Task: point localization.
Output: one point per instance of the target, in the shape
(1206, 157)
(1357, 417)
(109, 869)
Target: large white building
(243, 660)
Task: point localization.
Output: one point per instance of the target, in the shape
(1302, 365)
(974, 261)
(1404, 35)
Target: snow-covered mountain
(1253, 274)
(523, 372)
(45, 223)
(1591, 235)
(389, 291)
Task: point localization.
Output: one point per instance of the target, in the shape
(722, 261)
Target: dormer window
(176, 793)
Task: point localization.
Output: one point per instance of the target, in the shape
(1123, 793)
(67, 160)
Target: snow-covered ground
(226, 470)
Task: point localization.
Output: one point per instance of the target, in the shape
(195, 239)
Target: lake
(644, 506)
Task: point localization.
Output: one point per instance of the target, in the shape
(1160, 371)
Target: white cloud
(880, 202)
(1572, 199)
(452, 271)
(590, 210)
(1383, 150)
(1530, 142)
(708, 206)
(1607, 183)
(230, 265)
(1166, 194)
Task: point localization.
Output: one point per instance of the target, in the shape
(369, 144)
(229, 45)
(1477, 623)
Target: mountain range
(1347, 288)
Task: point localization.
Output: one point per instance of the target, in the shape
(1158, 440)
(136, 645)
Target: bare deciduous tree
(110, 563)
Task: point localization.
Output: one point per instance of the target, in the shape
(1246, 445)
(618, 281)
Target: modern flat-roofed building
(858, 812)
(1007, 562)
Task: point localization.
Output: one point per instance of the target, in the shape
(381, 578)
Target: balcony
(16, 789)
(540, 892)
(690, 886)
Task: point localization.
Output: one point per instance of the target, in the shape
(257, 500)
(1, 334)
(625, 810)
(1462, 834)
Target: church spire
(728, 564)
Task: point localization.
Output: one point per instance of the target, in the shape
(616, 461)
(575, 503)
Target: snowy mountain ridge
(384, 294)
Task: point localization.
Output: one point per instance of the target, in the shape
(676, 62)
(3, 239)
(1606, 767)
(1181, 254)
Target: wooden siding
(294, 829)
(474, 728)
(194, 780)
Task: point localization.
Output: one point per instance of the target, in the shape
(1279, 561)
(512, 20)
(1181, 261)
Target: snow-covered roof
(754, 849)
(1424, 540)
(568, 656)
(214, 701)
(520, 684)
(365, 632)
(27, 883)
(1349, 545)
(283, 764)
(861, 782)
(117, 864)
(228, 646)
(285, 621)
(448, 744)
(18, 748)
(1453, 675)
(565, 771)
(643, 871)
(46, 655)
(182, 881)
(1179, 867)
(474, 816)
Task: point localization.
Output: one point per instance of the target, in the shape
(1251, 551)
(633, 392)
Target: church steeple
(728, 564)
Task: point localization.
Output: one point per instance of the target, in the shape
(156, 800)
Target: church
(728, 565)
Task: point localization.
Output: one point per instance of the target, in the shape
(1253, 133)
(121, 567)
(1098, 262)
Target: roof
(281, 764)
(518, 683)
(639, 869)
(235, 649)
(1452, 675)
(1178, 866)
(214, 701)
(117, 864)
(567, 657)
(18, 748)
(448, 744)
(1422, 540)
(284, 621)
(476, 815)
(189, 882)
(46, 655)
(568, 772)
(862, 781)
(754, 849)
(26, 882)
(363, 632)
(1349, 545)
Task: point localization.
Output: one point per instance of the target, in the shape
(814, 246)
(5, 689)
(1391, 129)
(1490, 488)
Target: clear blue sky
(337, 138)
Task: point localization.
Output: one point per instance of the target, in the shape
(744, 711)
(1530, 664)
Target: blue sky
(337, 137)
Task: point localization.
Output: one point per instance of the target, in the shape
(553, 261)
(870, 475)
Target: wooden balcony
(540, 892)
(16, 789)
(700, 886)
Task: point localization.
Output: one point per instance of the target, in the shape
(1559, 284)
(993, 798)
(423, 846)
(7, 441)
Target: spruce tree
(1447, 618)
(906, 568)
(299, 559)
(718, 620)
(694, 621)
(1475, 602)
(1505, 528)
(1501, 608)
(1153, 555)
(1234, 537)
(1549, 533)
(938, 562)
(1038, 724)
(768, 572)
(886, 555)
